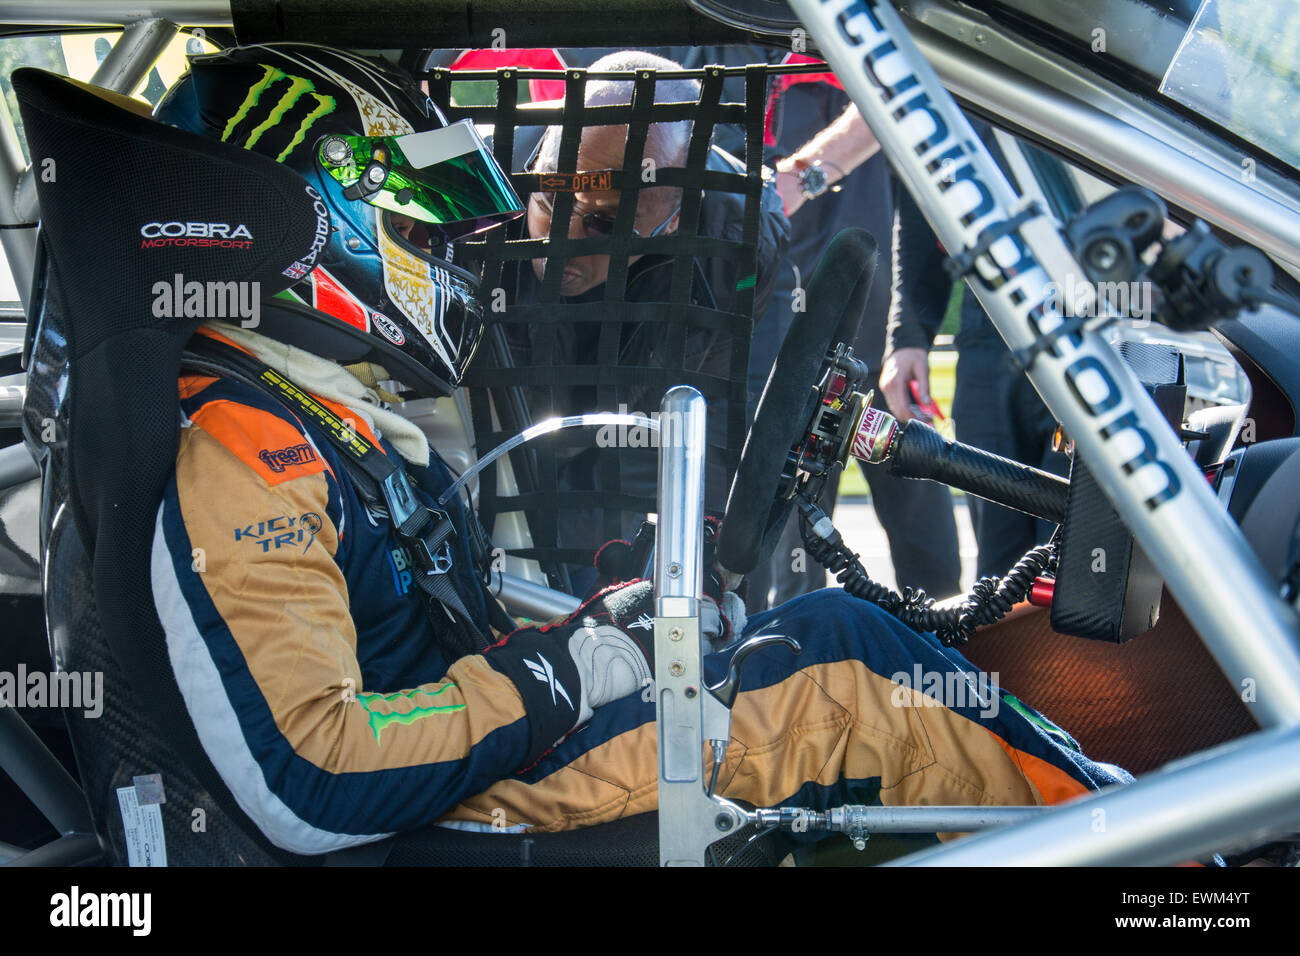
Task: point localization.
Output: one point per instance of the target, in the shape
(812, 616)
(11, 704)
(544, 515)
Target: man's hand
(787, 184)
(841, 147)
(902, 367)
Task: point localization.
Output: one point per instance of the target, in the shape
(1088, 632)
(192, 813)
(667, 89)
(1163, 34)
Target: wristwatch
(812, 180)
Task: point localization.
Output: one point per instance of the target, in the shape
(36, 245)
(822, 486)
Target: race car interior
(1113, 657)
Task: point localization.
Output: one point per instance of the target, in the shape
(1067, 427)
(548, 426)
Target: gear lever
(724, 692)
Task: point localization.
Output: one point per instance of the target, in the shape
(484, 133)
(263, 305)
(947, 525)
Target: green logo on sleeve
(380, 708)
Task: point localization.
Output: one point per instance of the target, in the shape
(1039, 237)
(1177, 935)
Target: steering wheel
(836, 297)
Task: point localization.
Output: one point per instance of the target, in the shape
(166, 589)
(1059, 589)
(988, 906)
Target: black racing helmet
(400, 184)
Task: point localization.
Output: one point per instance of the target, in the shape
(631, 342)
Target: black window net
(680, 314)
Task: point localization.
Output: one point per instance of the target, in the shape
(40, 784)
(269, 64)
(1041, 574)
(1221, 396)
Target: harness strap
(426, 531)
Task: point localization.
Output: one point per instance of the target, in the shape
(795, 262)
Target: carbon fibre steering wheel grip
(836, 296)
(921, 452)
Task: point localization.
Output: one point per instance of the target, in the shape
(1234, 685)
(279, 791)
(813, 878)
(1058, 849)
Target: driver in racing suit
(341, 706)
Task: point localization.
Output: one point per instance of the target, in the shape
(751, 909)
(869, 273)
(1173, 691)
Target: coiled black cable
(989, 599)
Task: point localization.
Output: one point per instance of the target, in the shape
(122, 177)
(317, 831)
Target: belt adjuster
(428, 532)
(442, 560)
(431, 547)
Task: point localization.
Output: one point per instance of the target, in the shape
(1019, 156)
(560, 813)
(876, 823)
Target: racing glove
(563, 672)
(723, 615)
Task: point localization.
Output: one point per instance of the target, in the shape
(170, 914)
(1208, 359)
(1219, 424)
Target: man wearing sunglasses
(585, 189)
(592, 182)
(595, 209)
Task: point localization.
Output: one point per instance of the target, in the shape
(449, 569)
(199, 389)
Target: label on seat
(143, 828)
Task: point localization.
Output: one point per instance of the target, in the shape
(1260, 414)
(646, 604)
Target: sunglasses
(594, 225)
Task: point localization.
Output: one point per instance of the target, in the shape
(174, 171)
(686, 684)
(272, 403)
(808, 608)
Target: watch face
(812, 181)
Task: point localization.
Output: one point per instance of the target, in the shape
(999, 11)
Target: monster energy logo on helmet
(298, 91)
(444, 176)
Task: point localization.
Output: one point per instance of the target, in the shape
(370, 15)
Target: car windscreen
(1239, 66)
(1232, 63)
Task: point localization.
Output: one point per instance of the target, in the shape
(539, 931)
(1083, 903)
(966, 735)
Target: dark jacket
(924, 286)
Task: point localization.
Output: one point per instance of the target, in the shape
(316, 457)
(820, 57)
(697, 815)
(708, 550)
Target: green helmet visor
(445, 178)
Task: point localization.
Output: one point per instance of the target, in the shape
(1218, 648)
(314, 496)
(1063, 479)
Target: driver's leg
(822, 728)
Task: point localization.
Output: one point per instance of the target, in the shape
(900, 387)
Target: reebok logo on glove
(546, 674)
(592, 653)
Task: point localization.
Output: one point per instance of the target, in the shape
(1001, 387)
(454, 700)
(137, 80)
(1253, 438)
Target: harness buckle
(428, 532)
(430, 541)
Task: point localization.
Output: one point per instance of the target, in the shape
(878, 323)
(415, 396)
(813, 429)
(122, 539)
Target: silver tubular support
(38, 774)
(27, 205)
(588, 420)
(71, 849)
(15, 183)
(858, 822)
(11, 405)
(1138, 460)
(134, 54)
(79, 13)
(688, 819)
(528, 599)
(679, 543)
(1236, 796)
(929, 819)
(17, 466)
